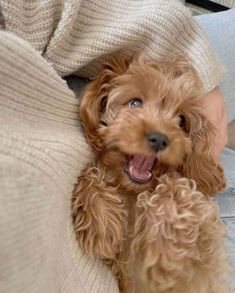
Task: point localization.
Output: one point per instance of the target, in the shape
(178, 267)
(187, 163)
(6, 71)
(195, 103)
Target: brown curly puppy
(144, 204)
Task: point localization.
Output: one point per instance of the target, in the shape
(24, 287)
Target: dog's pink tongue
(139, 167)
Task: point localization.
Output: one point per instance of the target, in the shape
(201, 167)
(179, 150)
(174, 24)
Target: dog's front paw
(99, 216)
(177, 234)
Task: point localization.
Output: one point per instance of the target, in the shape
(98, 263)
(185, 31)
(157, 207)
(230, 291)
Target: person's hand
(214, 108)
(231, 135)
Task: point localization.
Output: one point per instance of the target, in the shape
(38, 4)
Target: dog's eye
(136, 103)
(182, 121)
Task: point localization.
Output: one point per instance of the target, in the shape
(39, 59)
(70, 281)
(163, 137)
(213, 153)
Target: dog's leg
(178, 241)
(99, 215)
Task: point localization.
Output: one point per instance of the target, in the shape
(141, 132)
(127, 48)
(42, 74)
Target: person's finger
(214, 108)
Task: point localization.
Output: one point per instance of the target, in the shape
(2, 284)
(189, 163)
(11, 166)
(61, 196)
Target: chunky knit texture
(78, 35)
(42, 149)
(42, 152)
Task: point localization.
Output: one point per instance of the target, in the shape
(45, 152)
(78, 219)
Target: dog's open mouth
(139, 168)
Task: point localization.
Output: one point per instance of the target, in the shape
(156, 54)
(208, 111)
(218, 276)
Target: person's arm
(73, 42)
(79, 36)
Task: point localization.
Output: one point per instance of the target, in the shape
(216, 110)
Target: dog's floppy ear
(183, 78)
(94, 99)
(200, 165)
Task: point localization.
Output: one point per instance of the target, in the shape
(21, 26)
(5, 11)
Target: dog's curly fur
(160, 232)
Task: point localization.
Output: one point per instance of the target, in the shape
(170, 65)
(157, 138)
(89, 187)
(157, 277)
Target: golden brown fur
(148, 212)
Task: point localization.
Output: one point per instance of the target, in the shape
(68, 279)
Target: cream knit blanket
(42, 149)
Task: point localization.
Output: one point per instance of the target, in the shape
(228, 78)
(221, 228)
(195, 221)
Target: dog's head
(144, 119)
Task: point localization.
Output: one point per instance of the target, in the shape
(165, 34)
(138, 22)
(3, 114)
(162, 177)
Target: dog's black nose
(157, 141)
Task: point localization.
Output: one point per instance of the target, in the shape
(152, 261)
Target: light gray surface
(226, 202)
(220, 28)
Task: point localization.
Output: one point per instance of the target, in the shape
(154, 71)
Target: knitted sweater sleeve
(76, 36)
